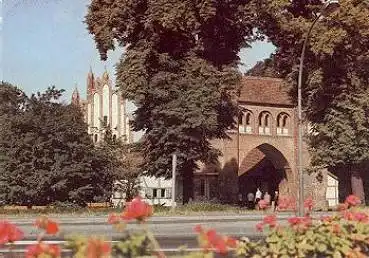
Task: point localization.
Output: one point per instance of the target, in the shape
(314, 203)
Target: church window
(95, 138)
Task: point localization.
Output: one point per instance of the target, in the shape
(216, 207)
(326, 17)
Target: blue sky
(45, 42)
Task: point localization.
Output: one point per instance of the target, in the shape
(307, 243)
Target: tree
(179, 69)
(52, 157)
(335, 72)
(126, 163)
(265, 68)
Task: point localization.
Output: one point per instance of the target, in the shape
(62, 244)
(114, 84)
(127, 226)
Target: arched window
(283, 124)
(246, 122)
(264, 123)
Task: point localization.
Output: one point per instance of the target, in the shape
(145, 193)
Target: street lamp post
(328, 7)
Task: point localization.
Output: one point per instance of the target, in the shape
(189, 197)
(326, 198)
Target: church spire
(106, 74)
(75, 96)
(90, 80)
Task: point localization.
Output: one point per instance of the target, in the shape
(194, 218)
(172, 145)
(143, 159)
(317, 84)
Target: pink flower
(285, 203)
(263, 204)
(270, 220)
(353, 200)
(300, 223)
(260, 226)
(9, 233)
(355, 216)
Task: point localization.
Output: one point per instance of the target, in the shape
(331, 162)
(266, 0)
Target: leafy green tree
(265, 68)
(48, 154)
(126, 163)
(335, 73)
(179, 69)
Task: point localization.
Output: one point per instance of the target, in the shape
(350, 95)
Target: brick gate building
(263, 153)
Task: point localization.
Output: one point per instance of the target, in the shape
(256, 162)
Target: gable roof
(264, 90)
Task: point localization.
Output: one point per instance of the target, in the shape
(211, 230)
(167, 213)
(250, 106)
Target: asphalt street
(171, 232)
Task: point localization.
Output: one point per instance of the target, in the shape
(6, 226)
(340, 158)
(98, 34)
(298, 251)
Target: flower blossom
(286, 203)
(43, 250)
(210, 239)
(9, 233)
(353, 200)
(300, 223)
(97, 248)
(137, 209)
(51, 227)
(269, 220)
(113, 218)
(263, 204)
(355, 216)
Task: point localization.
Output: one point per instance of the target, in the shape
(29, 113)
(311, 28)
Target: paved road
(171, 232)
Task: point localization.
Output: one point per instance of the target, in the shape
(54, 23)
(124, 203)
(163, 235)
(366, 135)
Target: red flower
(263, 204)
(260, 226)
(9, 233)
(231, 242)
(97, 248)
(300, 223)
(270, 220)
(51, 227)
(42, 250)
(137, 209)
(210, 239)
(285, 203)
(113, 218)
(353, 200)
(308, 203)
(356, 216)
(198, 229)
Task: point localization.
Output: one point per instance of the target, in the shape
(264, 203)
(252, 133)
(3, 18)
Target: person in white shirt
(257, 196)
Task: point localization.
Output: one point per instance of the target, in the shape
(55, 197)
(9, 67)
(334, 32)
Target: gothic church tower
(104, 106)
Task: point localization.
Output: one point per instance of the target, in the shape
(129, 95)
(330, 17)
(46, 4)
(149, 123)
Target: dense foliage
(179, 69)
(127, 163)
(265, 68)
(47, 155)
(336, 74)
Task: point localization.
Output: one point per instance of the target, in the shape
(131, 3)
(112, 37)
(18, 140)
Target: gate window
(264, 123)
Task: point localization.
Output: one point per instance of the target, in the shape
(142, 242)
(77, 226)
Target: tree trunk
(187, 173)
(357, 185)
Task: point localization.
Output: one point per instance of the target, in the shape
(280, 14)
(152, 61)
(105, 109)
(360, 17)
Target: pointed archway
(266, 168)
